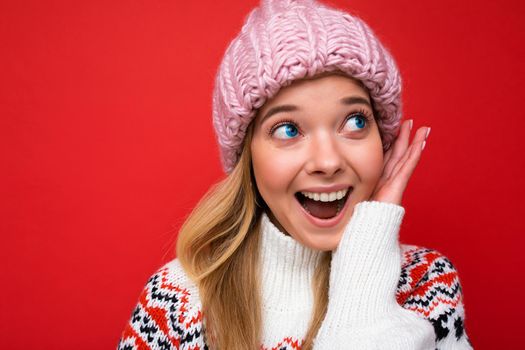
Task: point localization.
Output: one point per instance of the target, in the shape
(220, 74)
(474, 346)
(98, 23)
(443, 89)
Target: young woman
(297, 248)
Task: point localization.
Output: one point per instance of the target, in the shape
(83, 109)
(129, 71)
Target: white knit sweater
(362, 309)
(363, 312)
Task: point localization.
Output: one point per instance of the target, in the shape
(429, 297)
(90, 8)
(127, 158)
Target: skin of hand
(400, 162)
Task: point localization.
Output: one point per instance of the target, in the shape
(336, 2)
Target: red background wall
(107, 142)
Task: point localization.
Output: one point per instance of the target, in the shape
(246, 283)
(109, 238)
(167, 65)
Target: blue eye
(358, 120)
(285, 131)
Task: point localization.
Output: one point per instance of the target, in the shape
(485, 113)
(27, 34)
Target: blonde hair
(218, 247)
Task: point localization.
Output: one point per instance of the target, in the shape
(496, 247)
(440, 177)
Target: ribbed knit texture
(383, 295)
(287, 271)
(363, 313)
(285, 40)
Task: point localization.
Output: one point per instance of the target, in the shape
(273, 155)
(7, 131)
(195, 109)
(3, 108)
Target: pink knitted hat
(286, 40)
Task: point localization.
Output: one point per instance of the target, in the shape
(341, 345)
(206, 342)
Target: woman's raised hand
(399, 163)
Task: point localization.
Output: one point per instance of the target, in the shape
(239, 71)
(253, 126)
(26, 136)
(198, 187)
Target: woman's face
(316, 138)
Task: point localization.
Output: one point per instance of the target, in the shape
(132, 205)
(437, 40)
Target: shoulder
(420, 265)
(169, 286)
(414, 255)
(168, 312)
(429, 285)
(172, 277)
(424, 269)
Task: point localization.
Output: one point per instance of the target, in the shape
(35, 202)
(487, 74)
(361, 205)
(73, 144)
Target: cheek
(367, 161)
(274, 170)
(371, 164)
(365, 158)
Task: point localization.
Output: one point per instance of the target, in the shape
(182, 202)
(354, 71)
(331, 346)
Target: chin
(323, 243)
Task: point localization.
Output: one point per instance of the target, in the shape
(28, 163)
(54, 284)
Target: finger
(407, 164)
(404, 162)
(404, 173)
(387, 156)
(399, 148)
(383, 178)
(401, 143)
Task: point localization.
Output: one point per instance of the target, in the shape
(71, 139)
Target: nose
(324, 156)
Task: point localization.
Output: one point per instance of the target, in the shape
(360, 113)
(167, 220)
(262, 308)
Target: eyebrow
(350, 100)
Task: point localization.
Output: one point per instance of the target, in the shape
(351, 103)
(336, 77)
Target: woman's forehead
(294, 91)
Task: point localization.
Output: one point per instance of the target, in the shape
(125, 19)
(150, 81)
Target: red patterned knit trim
(291, 341)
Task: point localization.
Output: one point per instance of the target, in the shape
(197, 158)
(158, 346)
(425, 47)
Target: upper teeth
(325, 197)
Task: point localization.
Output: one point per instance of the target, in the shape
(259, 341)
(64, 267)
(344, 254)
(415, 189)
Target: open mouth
(323, 206)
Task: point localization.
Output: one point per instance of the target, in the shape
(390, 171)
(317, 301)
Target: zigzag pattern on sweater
(164, 317)
(429, 286)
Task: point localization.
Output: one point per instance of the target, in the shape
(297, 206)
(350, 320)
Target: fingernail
(411, 123)
(428, 132)
(423, 147)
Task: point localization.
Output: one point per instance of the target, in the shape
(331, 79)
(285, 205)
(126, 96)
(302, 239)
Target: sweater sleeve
(430, 287)
(165, 316)
(363, 312)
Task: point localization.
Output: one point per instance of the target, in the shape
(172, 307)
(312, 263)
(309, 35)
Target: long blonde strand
(218, 247)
